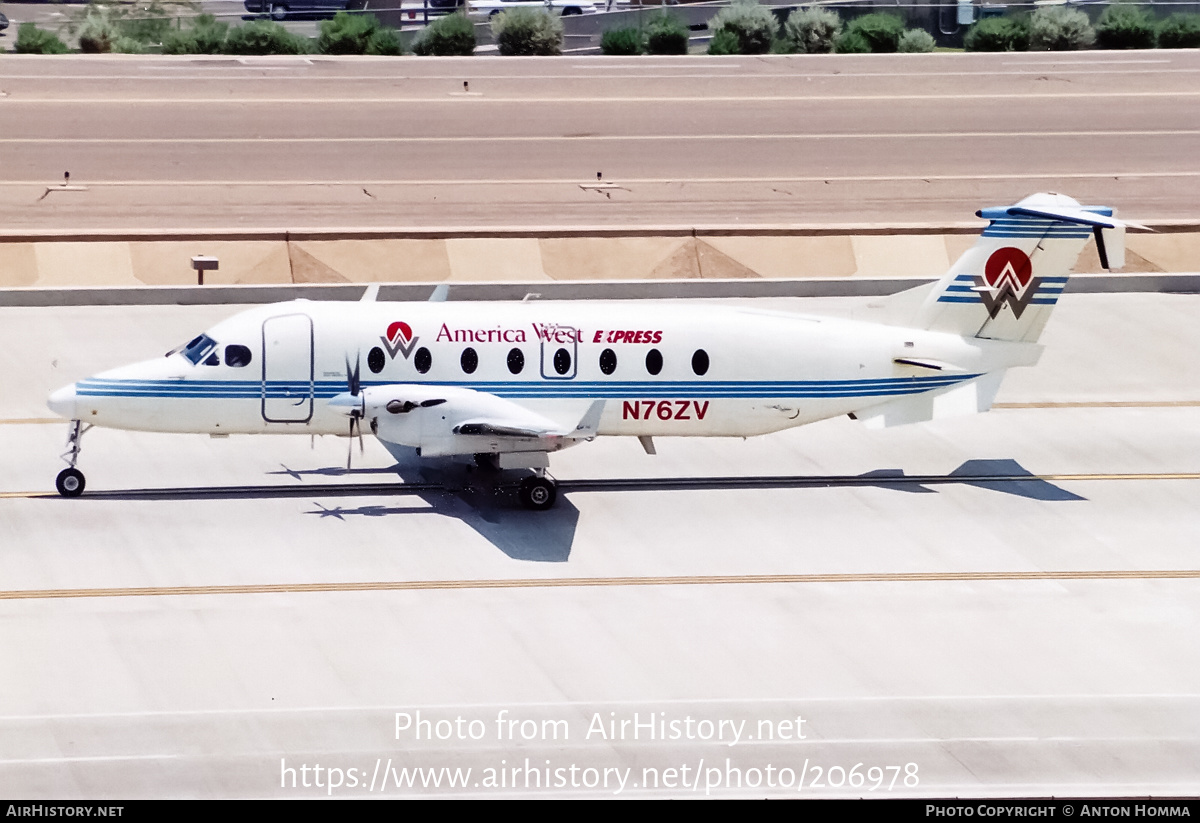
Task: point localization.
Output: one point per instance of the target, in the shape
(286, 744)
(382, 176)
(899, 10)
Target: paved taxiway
(320, 142)
(1028, 628)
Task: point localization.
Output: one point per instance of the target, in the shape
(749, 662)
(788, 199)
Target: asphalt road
(340, 143)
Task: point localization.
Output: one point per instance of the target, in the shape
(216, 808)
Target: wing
(450, 420)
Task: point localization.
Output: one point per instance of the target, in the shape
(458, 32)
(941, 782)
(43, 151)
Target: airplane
(505, 384)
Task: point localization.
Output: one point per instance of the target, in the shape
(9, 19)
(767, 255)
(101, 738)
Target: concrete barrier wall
(147, 261)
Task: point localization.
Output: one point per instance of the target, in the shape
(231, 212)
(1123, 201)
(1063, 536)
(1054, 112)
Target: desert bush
(348, 34)
(1058, 28)
(916, 41)
(1124, 26)
(32, 40)
(1179, 31)
(385, 42)
(881, 31)
(851, 42)
(753, 25)
(98, 33)
(449, 36)
(204, 36)
(998, 34)
(811, 30)
(623, 42)
(264, 37)
(526, 31)
(666, 34)
(724, 42)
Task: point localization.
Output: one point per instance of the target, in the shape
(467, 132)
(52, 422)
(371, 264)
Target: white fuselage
(663, 369)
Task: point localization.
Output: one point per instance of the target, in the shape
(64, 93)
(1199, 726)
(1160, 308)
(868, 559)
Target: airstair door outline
(287, 370)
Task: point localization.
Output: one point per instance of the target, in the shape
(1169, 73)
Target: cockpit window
(198, 348)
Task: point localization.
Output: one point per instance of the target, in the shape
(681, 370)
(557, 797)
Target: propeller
(354, 384)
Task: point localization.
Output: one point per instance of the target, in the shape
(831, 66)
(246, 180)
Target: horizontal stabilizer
(971, 397)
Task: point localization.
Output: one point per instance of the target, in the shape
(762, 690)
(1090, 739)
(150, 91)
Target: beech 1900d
(506, 384)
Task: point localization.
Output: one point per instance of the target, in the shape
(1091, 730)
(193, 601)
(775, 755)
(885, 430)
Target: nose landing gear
(70, 481)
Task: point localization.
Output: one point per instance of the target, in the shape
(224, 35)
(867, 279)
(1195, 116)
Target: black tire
(278, 12)
(70, 482)
(570, 10)
(538, 493)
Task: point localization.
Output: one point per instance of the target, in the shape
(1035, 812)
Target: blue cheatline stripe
(1040, 300)
(219, 389)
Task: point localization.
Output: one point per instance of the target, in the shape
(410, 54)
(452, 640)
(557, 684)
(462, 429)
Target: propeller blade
(352, 376)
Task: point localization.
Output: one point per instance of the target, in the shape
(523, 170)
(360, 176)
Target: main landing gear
(538, 492)
(70, 481)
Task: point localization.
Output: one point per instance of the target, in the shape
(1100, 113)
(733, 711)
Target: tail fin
(1006, 285)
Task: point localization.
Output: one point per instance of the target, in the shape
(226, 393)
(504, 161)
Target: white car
(490, 8)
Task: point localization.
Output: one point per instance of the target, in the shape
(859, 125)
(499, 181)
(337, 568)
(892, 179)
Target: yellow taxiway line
(587, 582)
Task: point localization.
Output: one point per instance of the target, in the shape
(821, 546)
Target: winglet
(371, 294)
(440, 292)
(589, 424)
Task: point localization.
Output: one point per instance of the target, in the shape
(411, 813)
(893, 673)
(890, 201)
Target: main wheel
(538, 493)
(278, 12)
(70, 482)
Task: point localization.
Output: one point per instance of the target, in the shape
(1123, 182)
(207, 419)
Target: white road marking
(610, 138)
(512, 100)
(882, 178)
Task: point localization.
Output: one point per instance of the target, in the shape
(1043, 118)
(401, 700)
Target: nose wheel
(70, 481)
(538, 493)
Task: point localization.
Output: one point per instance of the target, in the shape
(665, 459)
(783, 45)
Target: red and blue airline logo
(399, 339)
(1007, 280)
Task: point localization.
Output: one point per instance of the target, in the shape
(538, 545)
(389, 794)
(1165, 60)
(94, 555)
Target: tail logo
(1007, 279)
(399, 339)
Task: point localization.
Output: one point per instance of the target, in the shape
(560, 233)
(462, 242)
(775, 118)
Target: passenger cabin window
(516, 361)
(562, 361)
(608, 361)
(423, 360)
(375, 361)
(700, 361)
(198, 348)
(469, 360)
(654, 361)
(236, 356)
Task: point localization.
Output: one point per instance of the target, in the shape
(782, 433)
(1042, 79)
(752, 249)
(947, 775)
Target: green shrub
(1058, 28)
(348, 33)
(851, 42)
(32, 40)
(623, 42)
(204, 36)
(385, 42)
(812, 30)
(998, 34)
(98, 33)
(264, 37)
(1124, 26)
(916, 41)
(724, 42)
(525, 31)
(753, 25)
(881, 31)
(1180, 31)
(449, 36)
(666, 34)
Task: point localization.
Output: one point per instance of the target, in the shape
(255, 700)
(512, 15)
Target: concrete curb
(1184, 283)
(535, 232)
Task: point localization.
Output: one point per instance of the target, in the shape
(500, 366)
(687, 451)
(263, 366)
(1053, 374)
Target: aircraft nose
(62, 402)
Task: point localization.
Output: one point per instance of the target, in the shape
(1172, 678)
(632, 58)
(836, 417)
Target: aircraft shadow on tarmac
(487, 500)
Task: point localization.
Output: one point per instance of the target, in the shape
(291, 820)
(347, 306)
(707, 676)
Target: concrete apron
(148, 261)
